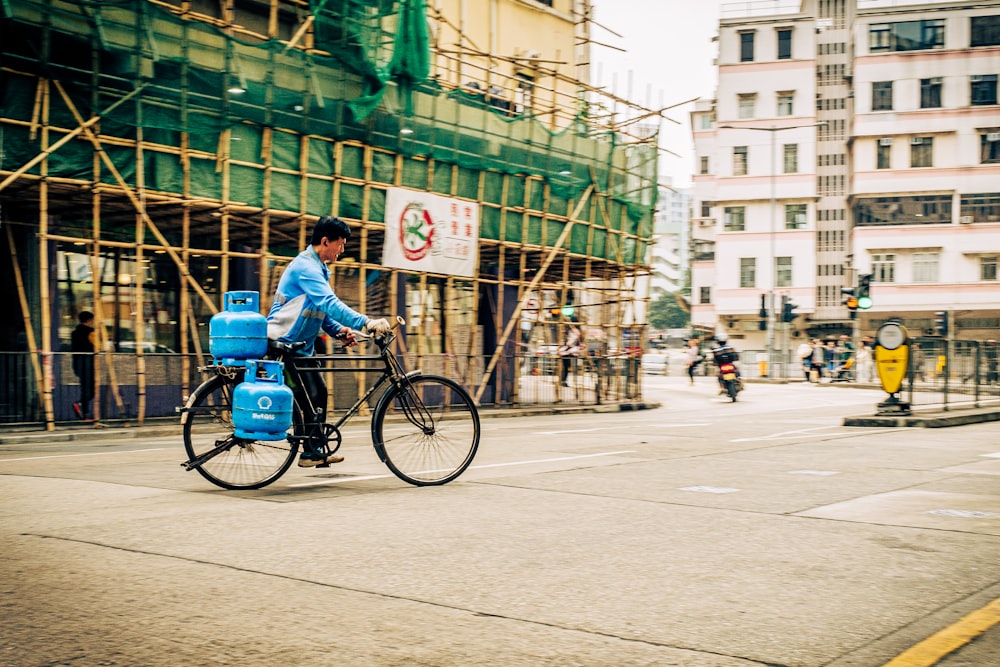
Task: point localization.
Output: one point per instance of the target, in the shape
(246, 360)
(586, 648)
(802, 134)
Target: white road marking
(556, 459)
(790, 435)
(617, 428)
(69, 456)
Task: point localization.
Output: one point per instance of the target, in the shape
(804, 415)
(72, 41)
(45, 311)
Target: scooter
(730, 380)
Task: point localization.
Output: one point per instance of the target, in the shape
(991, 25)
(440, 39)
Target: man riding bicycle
(305, 304)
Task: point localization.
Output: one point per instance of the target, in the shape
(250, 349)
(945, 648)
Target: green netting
(364, 80)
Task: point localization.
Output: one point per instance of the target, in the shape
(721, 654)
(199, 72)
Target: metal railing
(129, 390)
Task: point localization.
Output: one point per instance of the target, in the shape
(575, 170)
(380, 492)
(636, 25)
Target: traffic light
(864, 291)
(762, 325)
(850, 298)
(941, 323)
(788, 309)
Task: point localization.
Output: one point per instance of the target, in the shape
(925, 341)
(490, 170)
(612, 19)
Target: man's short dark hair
(85, 316)
(330, 227)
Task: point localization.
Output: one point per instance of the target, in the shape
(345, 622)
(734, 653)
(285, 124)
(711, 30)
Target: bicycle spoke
(427, 430)
(229, 462)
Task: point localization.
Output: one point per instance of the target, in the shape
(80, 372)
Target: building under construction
(155, 154)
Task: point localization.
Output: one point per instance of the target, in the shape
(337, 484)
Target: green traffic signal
(864, 291)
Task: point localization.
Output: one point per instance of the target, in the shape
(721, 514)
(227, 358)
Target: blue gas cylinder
(239, 331)
(262, 404)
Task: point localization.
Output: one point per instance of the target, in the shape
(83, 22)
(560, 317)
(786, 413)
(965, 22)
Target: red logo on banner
(416, 231)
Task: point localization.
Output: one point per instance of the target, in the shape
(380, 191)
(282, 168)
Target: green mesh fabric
(372, 85)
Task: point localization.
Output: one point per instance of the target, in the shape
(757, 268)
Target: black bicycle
(425, 428)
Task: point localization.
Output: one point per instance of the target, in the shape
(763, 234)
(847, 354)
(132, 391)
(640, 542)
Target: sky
(669, 52)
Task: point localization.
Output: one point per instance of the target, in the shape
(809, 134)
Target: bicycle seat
(286, 347)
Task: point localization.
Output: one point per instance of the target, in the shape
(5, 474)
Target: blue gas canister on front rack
(239, 331)
(262, 404)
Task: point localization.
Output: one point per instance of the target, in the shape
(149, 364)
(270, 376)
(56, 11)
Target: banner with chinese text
(430, 233)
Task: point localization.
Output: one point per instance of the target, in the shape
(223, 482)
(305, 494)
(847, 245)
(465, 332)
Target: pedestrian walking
(82, 345)
(569, 351)
(804, 353)
(693, 357)
(864, 362)
(818, 360)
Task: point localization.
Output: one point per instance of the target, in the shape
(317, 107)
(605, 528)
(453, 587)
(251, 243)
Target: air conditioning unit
(993, 136)
(706, 222)
(965, 219)
(885, 141)
(916, 141)
(937, 80)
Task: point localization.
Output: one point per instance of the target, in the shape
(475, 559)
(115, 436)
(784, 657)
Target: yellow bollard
(763, 368)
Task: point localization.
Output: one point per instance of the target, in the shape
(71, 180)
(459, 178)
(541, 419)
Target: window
(739, 160)
(930, 93)
(705, 295)
(786, 103)
(983, 89)
(906, 36)
(883, 150)
(981, 207)
(703, 164)
(884, 268)
(746, 47)
(882, 96)
(988, 268)
(791, 159)
(795, 216)
(925, 267)
(912, 210)
(747, 105)
(707, 120)
(785, 44)
(748, 272)
(735, 219)
(989, 147)
(921, 151)
(985, 31)
(782, 271)
(706, 209)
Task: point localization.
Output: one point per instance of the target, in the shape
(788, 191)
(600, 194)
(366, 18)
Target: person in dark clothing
(82, 346)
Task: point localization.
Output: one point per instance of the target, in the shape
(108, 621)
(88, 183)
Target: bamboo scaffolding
(185, 274)
(531, 286)
(29, 328)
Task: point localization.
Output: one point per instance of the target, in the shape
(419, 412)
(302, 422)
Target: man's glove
(378, 327)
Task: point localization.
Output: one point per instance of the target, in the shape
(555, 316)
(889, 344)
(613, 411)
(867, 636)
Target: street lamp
(773, 130)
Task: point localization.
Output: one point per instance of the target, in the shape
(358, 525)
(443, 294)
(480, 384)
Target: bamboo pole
(185, 273)
(29, 329)
(65, 139)
(531, 286)
(43, 271)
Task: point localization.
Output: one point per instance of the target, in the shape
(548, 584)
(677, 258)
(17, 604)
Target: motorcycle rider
(723, 353)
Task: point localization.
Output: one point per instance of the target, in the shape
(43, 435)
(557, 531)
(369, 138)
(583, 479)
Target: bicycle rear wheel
(426, 430)
(229, 462)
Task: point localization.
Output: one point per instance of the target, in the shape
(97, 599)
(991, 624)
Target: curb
(161, 430)
(930, 420)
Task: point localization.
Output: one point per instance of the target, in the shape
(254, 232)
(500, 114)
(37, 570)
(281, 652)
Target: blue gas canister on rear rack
(262, 403)
(239, 331)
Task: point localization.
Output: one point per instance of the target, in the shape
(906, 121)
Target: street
(703, 533)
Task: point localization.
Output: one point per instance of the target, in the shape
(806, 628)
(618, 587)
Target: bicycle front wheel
(229, 462)
(426, 430)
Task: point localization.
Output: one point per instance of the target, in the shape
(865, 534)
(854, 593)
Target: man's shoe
(311, 460)
(77, 411)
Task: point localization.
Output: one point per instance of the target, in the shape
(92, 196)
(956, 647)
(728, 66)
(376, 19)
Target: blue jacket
(305, 303)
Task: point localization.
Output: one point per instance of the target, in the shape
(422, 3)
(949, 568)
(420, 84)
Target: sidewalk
(927, 416)
(162, 427)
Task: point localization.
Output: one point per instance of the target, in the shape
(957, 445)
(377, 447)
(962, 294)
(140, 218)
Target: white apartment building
(849, 137)
(669, 257)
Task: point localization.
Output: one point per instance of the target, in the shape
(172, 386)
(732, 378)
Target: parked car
(147, 347)
(654, 363)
